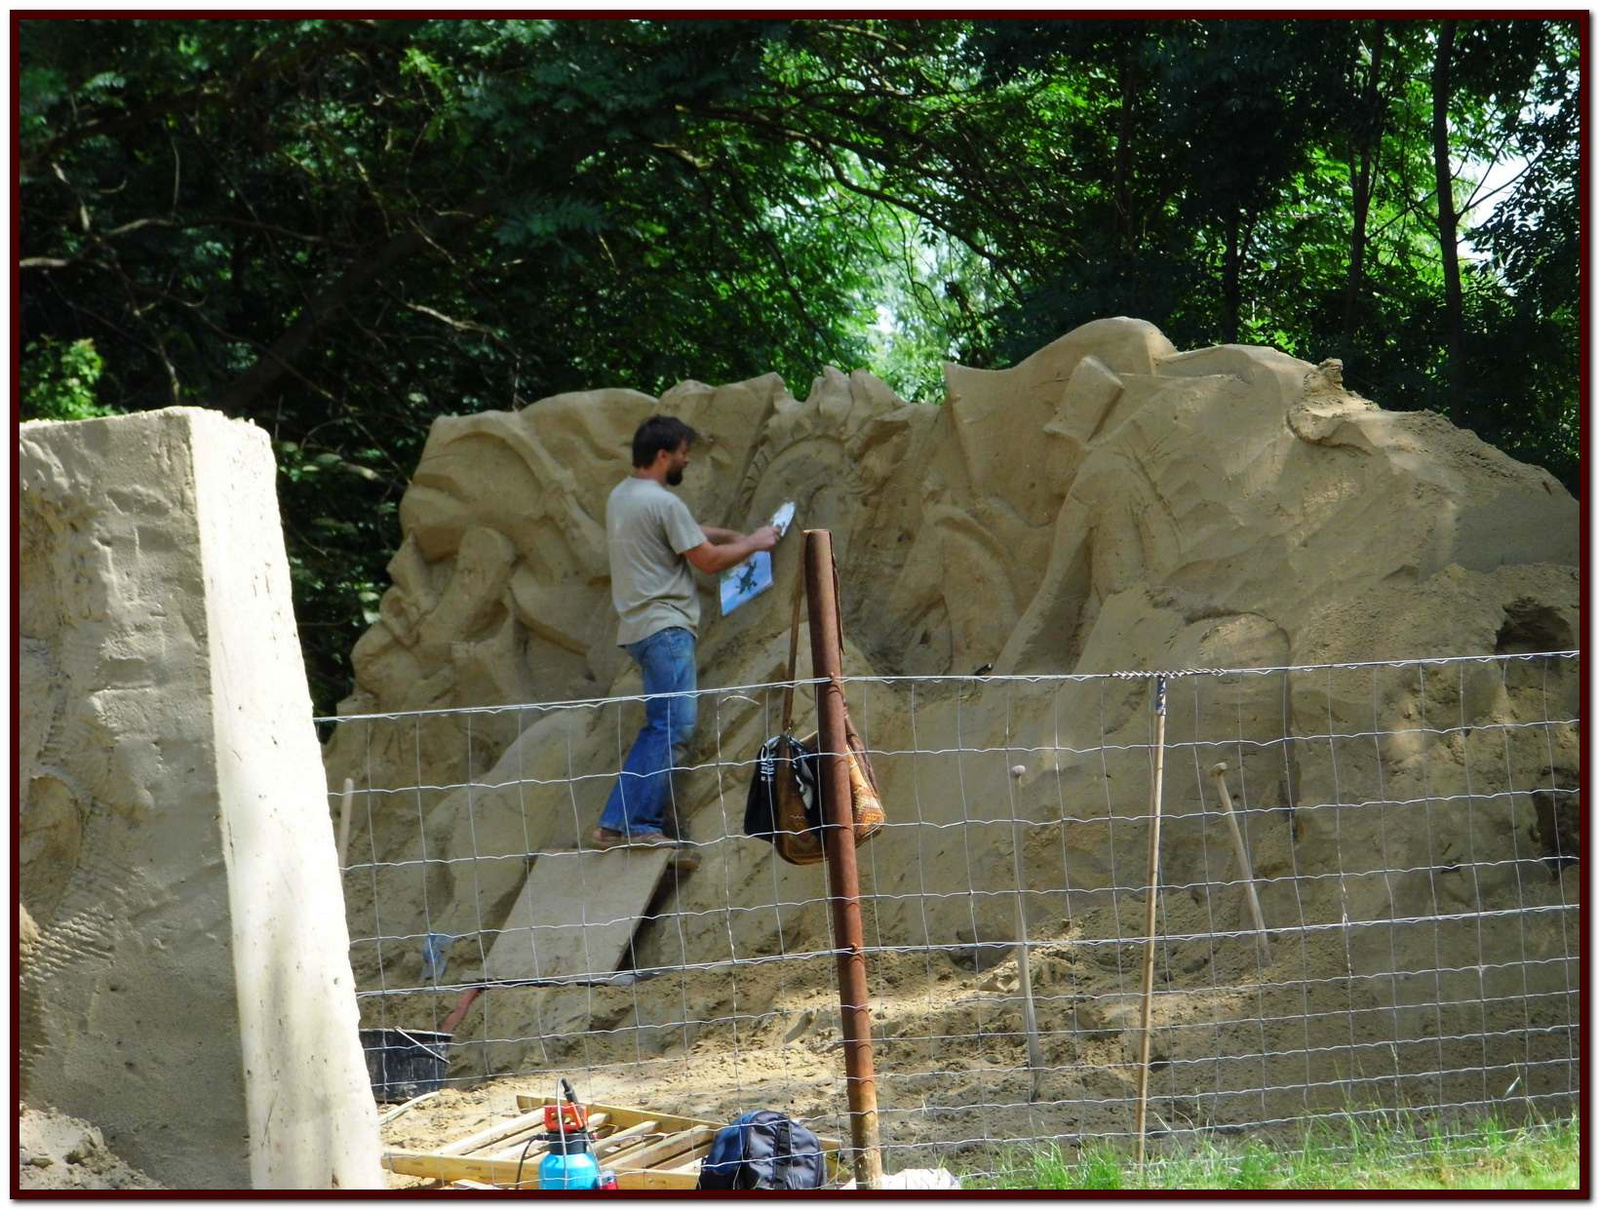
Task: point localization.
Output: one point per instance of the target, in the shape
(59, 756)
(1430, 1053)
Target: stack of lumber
(647, 1150)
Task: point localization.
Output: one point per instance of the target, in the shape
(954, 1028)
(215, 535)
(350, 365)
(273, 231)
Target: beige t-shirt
(652, 585)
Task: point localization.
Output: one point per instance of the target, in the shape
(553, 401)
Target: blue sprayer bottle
(570, 1164)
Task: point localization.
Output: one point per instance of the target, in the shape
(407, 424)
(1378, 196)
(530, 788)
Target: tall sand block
(189, 989)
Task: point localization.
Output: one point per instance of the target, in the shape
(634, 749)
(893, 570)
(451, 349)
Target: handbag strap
(794, 652)
(794, 645)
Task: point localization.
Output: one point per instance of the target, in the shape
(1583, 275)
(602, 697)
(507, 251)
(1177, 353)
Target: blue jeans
(638, 801)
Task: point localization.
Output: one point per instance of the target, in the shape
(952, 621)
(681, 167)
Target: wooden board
(494, 1133)
(406, 1107)
(502, 1174)
(652, 1178)
(575, 915)
(520, 1127)
(690, 1160)
(625, 1137)
(655, 1155)
(621, 1116)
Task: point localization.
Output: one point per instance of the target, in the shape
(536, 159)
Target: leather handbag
(786, 805)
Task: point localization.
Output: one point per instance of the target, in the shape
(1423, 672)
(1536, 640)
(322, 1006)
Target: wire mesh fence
(1408, 828)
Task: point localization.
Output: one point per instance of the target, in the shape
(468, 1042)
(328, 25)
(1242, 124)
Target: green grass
(1382, 1155)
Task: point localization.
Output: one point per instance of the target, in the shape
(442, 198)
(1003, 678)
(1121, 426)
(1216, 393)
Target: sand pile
(55, 1151)
(1108, 504)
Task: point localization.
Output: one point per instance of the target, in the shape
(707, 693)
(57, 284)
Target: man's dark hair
(657, 434)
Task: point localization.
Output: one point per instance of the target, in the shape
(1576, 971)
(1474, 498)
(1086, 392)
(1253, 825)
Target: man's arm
(720, 537)
(712, 556)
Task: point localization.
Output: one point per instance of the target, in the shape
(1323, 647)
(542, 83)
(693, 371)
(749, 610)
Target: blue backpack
(764, 1150)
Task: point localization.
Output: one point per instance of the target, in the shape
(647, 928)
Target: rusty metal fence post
(844, 888)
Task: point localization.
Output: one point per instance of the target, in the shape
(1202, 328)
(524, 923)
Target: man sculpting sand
(654, 541)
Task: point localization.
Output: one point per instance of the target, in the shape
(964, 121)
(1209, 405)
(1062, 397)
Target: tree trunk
(1448, 252)
(1363, 174)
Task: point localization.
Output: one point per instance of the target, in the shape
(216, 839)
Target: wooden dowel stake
(1219, 771)
(1030, 1019)
(1150, 914)
(344, 821)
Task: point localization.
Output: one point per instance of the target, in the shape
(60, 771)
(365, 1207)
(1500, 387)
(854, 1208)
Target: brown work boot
(685, 857)
(605, 838)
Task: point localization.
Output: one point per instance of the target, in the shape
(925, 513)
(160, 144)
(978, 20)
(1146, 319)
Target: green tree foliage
(341, 229)
(58, 380)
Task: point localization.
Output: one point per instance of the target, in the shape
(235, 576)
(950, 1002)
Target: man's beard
(675, 477)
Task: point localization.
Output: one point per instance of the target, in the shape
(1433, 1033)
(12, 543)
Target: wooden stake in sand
(406, 1107)
(1025, 976)
(1220, 772)
(344, 820)
(1150, 913)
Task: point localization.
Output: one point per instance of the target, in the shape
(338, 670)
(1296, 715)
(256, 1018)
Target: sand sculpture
(186, 981)
(1110, 503)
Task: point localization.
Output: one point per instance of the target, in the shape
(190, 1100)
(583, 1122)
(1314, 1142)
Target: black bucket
(405, 1063)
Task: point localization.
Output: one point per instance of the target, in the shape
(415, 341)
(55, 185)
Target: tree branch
(335, 295)
(108, 123)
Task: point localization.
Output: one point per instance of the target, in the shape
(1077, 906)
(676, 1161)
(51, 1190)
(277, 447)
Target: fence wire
(1411, 833)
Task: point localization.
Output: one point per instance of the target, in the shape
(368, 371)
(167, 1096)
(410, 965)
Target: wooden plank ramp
(575, 915)
(645, 1148)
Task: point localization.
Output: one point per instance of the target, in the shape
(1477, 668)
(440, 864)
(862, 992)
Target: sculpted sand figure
(1109, 503)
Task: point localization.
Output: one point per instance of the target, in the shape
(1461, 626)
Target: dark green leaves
(58, 380)
(341, 228)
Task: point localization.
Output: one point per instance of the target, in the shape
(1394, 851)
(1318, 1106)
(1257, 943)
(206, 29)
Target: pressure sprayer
(570, 1162)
